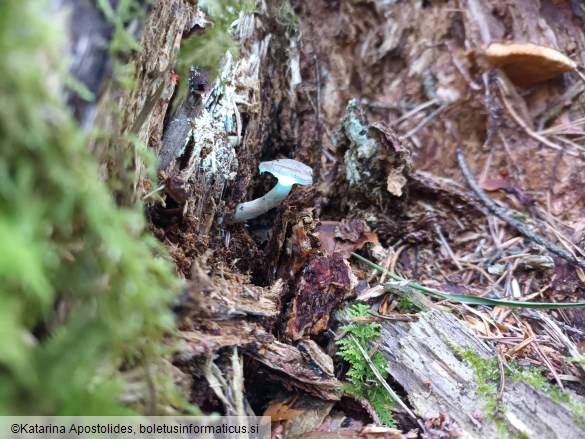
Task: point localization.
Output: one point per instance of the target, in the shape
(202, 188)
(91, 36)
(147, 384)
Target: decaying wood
(224, 311)
(299, 414)
(212, 336)
(438, 382)
(291, 364)
(298, 224)
(227, 297)
(298, 369)
(166, 24)
(324, 284)
(345, 236)
(374, 163)
(228, 384)
(88, 43)
(177, 132)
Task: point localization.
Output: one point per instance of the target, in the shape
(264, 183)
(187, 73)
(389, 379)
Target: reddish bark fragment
(346, 236)
(351, 230)
(299, 247)
(326, 282)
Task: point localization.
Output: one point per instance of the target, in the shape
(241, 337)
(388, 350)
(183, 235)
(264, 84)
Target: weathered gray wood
(422, 360)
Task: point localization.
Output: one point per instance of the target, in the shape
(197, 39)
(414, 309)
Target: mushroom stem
(259, 206)
(288, 172)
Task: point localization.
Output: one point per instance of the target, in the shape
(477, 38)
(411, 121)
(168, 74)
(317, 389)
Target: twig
(425, 121)
(552, 327)
(386, 265)
(511, 340)
(395, 258)
(529, 131)
(552, 321)
(480, 270)
(493, 108)
(558, 129)
(396, 317)
(570, 96)
(397, 254)
(150, 194)
(500, 213)
(493, 227)
(382, 380)
(568, 142)
(545, 359)
(447, 247)
(565, 241)
(486, 166)
(368, 408)
(472, 84)
(415, 110)
(519, 346)
(318, 79)
(385, 106)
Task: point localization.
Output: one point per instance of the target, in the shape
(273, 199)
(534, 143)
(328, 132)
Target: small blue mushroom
(288, 172)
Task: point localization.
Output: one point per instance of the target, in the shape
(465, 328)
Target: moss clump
(405, 304)
(206, 51)
(487, 377)
(84, 290)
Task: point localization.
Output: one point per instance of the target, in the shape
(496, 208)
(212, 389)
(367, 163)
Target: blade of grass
(472, 300)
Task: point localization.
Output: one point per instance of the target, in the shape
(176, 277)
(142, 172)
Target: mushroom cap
(527, 64)
(288, 171)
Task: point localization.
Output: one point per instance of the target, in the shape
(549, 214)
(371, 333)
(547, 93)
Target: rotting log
(423, 360)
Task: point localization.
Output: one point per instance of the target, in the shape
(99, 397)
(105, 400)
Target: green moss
(406, 305)
(286, 16)
(534, 377)
(207, 50)
(487, 378)
(578, 412)
(362, 382)
(85, 291)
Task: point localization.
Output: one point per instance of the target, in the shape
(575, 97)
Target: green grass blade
(472, 300)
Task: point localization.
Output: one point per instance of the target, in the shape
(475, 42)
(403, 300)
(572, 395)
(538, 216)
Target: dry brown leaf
(477, 325)
(346, 236)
